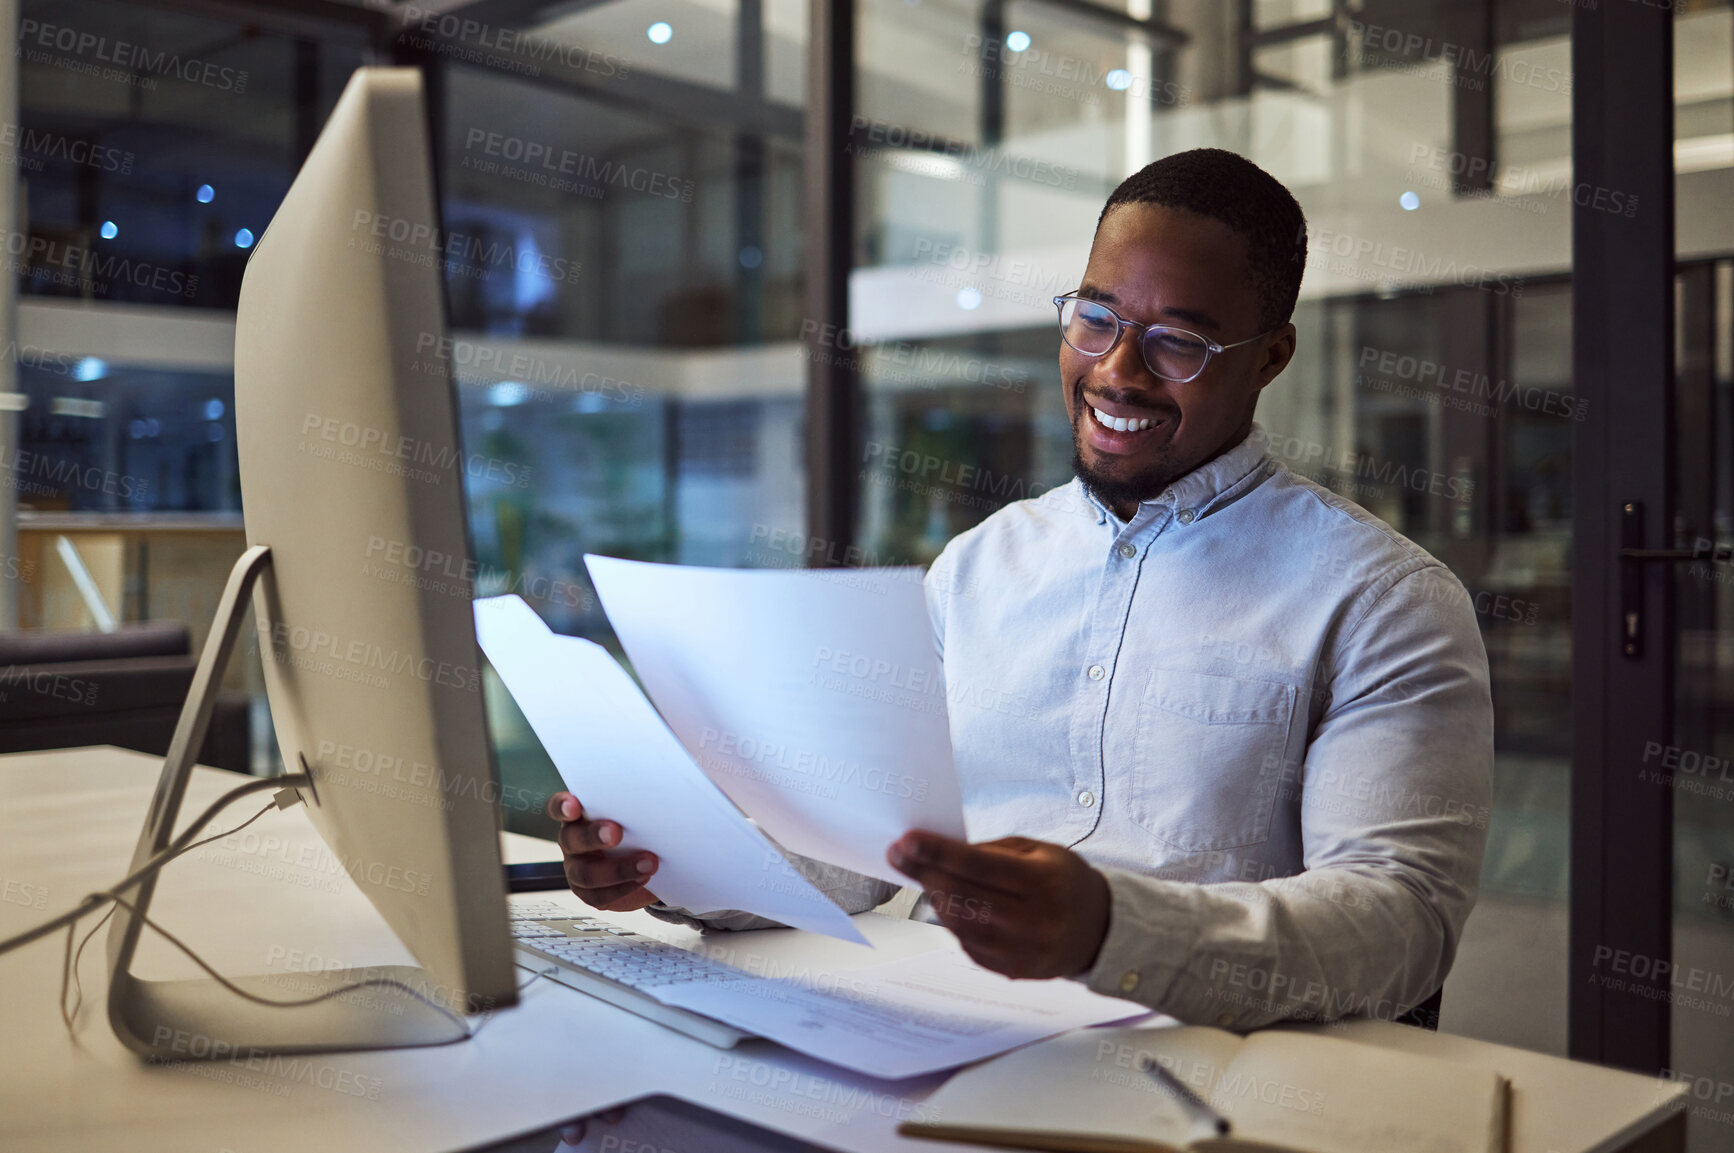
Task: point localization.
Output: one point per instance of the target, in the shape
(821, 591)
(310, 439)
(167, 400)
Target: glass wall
(154, 146)
(151, 149)
(643, 381)
(1696, 761)
(624, 324)
(627, 328)
(1431, 156)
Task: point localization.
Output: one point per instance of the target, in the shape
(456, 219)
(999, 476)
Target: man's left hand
(1021, 907)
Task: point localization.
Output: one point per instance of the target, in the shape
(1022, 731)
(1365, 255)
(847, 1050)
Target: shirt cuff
(1150, 935)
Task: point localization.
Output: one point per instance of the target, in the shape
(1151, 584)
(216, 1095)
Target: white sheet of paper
(621, 762)
(932, 1011)
(814, 699)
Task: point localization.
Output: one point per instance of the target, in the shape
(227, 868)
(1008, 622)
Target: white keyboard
(619, 966)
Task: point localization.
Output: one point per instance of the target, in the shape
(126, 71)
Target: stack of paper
(816, 705)
(814, 700)
(617, 757)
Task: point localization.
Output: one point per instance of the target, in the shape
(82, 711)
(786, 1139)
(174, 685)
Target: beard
(1114, 491)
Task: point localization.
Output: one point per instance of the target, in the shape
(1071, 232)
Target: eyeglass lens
(1168, 352)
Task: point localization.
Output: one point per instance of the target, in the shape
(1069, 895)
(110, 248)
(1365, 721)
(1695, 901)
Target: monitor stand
(198, 1018)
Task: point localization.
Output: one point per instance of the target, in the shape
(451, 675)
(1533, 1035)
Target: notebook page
(1325, 1095)
(1082, 1090)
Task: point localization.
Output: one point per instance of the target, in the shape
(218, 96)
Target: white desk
(68, 824)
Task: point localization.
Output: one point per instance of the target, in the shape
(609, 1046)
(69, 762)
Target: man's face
(1157, 265)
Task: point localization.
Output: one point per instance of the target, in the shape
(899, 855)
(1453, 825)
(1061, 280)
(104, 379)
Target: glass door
(1430, 148)
(1697, 764)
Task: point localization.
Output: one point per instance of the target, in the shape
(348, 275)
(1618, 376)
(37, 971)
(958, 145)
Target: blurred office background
(653, 396)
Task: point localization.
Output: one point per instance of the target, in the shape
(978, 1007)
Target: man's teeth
(1121, 423)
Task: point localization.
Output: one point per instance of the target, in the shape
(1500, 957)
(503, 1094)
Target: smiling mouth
(1122, 430)
(1120, 423)
(1124, 423)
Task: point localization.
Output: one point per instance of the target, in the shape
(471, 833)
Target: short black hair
(1226, 186)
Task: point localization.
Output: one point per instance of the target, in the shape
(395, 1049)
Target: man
(1252, 778)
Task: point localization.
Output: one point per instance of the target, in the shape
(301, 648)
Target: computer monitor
(352, 479)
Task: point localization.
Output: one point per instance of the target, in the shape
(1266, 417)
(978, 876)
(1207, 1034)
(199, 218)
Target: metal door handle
(1633, 558)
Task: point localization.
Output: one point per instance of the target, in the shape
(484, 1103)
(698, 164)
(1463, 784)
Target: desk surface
(279, 902)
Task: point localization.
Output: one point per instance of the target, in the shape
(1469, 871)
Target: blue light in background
(1119, 80)
(507, 393)
(91, 368)
(214, 409)
(110, 230)
(530, 286)
(1017, 41)
(206, 194)
(1409, 201)
(244, 238)
(660, 33)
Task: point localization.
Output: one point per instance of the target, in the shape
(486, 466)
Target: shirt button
(1086, 798)
(1128, 980)
(1097, 672)
(1186, 515)
(1128, 551)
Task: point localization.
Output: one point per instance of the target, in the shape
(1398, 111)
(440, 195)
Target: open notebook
(1296, 1092)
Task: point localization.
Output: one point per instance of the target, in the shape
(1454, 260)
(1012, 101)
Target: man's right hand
(611, 881)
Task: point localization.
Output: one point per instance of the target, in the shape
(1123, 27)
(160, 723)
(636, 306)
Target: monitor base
(198, 1018)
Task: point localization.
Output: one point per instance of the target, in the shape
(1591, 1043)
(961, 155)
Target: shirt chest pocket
(1207, 759)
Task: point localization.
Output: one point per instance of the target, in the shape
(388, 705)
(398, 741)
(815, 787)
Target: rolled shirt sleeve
(1395, 793)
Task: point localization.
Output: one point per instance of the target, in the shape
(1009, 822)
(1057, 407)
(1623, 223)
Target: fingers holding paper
(611, 881)
(1018, 906)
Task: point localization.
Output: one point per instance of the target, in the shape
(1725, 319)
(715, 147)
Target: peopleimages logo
(34, 34)
(867, 134)
(1470, 68)
(510, 49)
(373, 444)
(41, 359)
(37, 257)
(547, 379)
(16, 142)
(300, 646)
(1441, 376)
(22, 465)
(543, 163)
(1370, 253)
(422, 243)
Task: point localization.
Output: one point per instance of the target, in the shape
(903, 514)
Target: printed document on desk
(813, 698)
(935, 1010)
(618, 758)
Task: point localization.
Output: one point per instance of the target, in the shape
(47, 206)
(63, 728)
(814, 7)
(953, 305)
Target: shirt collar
(1199, 489)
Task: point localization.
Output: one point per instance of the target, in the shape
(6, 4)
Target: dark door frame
(1623, 607)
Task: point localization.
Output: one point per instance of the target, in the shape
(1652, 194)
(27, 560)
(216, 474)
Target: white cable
(181, 844)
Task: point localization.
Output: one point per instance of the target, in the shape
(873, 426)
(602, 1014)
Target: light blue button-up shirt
(1261, 713)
